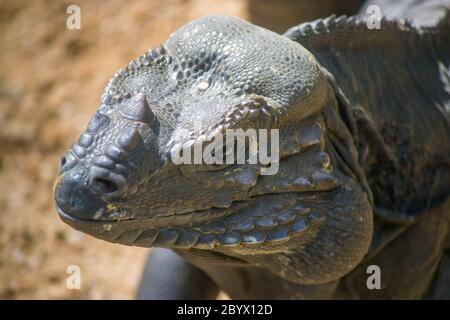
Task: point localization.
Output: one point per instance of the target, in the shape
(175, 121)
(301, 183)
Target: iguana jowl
(364, 145)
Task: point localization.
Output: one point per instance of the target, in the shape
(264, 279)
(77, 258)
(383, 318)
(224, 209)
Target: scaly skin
(300, 230)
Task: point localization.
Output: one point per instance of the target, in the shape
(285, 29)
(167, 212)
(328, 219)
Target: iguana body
(363, 177)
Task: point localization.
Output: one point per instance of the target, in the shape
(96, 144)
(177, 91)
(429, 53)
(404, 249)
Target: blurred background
(51, 79)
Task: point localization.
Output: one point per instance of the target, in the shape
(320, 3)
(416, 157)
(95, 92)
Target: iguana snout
(106, 160)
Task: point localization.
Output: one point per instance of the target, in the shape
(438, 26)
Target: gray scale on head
(207, 67)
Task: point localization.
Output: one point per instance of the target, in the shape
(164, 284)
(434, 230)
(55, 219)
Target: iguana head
(123, 182)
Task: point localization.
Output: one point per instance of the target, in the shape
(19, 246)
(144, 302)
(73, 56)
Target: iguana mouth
(237, 225)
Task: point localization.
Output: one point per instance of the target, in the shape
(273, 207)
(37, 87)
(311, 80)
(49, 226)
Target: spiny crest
(345, 24)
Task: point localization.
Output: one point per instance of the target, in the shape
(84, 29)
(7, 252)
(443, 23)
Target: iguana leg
(168, 276)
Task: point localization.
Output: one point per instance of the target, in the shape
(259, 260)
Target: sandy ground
(51, 79)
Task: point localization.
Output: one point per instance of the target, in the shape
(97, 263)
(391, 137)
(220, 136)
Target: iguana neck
(396, 82)
(329, 249)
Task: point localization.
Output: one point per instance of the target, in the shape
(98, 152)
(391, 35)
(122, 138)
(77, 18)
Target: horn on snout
(137, 109)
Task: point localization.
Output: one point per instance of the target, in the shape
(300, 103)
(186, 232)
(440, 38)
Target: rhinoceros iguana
(363, 174)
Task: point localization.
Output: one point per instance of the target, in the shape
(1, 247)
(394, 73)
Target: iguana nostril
(106, 183)
(104, 186)
(63, 162)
